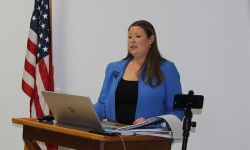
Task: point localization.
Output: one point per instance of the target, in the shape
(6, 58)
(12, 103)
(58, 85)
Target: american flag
(38, 67)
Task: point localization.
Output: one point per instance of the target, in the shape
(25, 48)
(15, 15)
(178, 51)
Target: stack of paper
(163, 126)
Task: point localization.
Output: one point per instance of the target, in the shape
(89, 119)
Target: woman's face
(138, 42)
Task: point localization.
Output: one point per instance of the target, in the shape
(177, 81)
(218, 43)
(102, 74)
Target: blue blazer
(152, 101)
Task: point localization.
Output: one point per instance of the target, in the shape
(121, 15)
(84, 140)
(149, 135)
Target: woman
(143, 84)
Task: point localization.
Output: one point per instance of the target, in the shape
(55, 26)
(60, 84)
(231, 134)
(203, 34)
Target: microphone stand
(187, 123)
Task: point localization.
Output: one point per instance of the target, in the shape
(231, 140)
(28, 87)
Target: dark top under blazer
(126, 96)
(152, 101)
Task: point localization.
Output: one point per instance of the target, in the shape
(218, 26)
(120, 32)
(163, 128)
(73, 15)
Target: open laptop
(75, 111)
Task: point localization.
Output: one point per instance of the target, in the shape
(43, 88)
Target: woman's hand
(139, 120)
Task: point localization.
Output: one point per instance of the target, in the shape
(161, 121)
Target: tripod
(187, 102)
(187, 123)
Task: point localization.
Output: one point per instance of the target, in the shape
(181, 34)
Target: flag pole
(50, 9)
(51, 72)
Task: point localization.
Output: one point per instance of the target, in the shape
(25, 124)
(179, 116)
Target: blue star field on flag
(40, 23)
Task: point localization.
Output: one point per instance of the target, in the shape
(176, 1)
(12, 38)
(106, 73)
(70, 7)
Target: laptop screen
(72, 110)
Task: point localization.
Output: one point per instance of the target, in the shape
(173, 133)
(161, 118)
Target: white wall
(209, 40)
(15, 17)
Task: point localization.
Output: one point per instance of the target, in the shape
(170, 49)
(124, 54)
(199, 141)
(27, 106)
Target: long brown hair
(151, 65)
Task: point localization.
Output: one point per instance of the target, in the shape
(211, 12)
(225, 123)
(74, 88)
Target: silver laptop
(74, 110)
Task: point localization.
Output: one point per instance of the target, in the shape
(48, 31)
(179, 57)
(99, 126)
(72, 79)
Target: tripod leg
(184, 144)
(186, 127)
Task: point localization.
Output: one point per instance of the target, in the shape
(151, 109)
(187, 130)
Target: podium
(82, 140)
